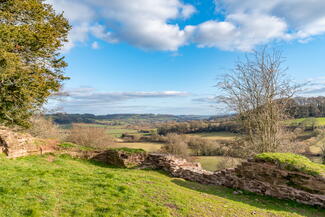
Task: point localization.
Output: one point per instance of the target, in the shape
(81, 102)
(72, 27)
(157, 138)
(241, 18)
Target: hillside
(63, 118)
(61, 186)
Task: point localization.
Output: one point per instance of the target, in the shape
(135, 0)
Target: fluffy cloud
(89, 100)
(141, 23)
(315, 86)
(90, 95)
(152, 24)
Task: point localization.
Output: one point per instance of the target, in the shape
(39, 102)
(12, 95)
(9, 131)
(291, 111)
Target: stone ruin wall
(253, 176)
(15, 144)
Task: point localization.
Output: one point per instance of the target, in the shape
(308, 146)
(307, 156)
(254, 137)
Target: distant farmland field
(147, 146)
(211, 163)
(217, 136)
(296, 122)
(115, 131)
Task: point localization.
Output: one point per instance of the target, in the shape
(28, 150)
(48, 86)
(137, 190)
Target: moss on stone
(293, 162)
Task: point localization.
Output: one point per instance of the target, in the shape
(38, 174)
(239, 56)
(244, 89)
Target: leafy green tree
(31, 67)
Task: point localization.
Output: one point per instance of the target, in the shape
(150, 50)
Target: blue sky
(164, 56)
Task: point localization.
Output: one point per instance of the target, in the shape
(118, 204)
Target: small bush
(94, 137)
(45, 128)
(176, 145)
(204, 147)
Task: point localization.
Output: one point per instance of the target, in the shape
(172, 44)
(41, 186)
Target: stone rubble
(257, 177)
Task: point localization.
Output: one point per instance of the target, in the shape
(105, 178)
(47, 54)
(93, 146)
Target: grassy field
(217, 136)
(61, 186)
(115, 131)
(211, 162)
(318, 121)
(147, 146)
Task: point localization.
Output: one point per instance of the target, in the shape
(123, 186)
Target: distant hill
(63, 118)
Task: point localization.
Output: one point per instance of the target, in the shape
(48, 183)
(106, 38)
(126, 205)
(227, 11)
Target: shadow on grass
(258, 201)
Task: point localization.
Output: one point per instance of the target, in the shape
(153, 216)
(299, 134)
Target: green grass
(295, 122)
(147, 146)
(70, 145)
(53, 186)
(210, 163)
(293, 162)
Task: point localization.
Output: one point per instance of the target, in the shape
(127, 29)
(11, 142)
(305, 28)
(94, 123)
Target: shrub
(204, 147)
(94, 137)
(176, 145)
(45, 128)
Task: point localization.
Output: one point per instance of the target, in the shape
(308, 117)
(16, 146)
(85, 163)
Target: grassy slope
(61, 186)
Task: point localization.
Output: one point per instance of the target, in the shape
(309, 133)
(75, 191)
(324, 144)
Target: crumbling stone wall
(15, 144)
(123, 158)
(258, 177)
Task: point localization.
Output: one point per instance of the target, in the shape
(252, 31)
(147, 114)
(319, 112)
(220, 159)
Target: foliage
(31, 69)
(305, 107)
(94, 137)
(62, 186)
(293, 162)
(198, 127)
(203, 147)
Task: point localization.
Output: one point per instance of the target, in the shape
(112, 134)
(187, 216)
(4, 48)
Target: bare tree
(258, 91)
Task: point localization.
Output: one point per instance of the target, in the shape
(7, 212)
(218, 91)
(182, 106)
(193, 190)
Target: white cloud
(88, 99)
(314, 87)
(95, 45)
(152, 24)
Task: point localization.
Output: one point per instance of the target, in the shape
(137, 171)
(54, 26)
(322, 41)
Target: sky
(165, 56)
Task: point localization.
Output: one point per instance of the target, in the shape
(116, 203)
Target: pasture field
(115, 131)
(147, 146)
(210, 163)
(318, 121)
(217, 136)
(53, 186)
